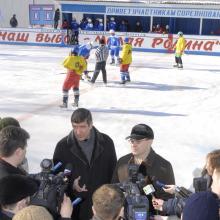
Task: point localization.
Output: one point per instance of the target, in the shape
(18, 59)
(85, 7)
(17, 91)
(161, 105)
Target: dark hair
(81, 115)
(108, 201)
(12, 138)
(102, 41)
(4, 122)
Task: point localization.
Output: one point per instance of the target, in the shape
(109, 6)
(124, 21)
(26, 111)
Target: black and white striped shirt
(101, 53)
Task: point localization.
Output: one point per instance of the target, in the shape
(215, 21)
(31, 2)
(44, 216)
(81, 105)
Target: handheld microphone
(76, 201)
(55, 167)
(160, 184)
(68, 169)
(149, 189)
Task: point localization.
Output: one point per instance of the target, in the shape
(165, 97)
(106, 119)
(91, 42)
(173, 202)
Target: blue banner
(41, 14)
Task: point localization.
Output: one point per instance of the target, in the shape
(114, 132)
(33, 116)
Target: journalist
(204, 183)
(15, 192)
(205, 205)
(7, 121)
(108, 201)
(13, 143)
(92, 157)
(156, 167)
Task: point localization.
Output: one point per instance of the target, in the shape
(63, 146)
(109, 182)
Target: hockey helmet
(112, 19)
(89, 20)
(180, 33)
(126, 39)
(100, 20)
(75, 50)
(111, 31)
(89, 45)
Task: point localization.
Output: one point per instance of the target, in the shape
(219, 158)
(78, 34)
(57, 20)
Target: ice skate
(122, 82)
(175, 65)
(64, 105)
(112, 62)
(180, 66)
(75, 104)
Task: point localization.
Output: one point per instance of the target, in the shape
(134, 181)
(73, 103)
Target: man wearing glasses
(155, 167)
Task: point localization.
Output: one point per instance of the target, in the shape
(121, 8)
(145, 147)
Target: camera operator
(141, 139)
(15, 192)
(51, 191)
(205, 205)
(175, 206)
(108, 201)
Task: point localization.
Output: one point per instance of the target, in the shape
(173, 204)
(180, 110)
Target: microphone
(55, 167)
(68, 169)
(149, 189)
(76, 201)
(160, 184)
(182, 191)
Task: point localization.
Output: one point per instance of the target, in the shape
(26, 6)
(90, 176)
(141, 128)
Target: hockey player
(125, 60)
(74, 26)
(75, 66)
(101, 25)
(179, 49)
(112, 24)
(89, 26)
(114, 46)
(84, 51)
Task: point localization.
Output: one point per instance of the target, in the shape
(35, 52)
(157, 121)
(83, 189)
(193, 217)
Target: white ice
(182, 106)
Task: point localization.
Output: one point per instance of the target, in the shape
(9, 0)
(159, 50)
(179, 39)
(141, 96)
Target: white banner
(164, 12)
(149, 42)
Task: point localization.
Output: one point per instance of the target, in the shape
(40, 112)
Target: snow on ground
(181, 106)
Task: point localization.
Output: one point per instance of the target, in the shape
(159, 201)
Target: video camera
(51, 186)
(136, 205)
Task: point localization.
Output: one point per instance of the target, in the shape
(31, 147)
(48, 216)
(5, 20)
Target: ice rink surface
(181, 106)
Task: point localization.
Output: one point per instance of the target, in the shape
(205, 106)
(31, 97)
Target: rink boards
(145, 42)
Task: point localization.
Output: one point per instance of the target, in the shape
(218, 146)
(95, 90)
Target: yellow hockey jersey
(76, 63)
(126, 54)
(180, 45)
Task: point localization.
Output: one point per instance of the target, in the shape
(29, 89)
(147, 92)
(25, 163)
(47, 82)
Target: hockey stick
(88, 71)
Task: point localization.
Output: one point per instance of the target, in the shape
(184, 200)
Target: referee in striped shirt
(101, 56)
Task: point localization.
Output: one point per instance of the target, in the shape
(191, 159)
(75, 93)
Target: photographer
(108, 201)
(156, 167)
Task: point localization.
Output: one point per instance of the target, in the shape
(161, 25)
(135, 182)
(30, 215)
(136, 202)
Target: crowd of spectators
(97, 24)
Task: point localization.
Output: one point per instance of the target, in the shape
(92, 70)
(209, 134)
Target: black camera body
(136, 205)
(51, 188)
